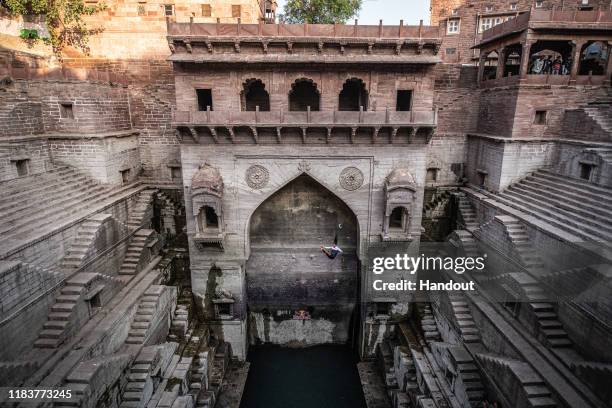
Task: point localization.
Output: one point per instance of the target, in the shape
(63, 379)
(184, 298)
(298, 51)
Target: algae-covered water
(314, 377)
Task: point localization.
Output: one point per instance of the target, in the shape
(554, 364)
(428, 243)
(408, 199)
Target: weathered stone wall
(35, 105)
(324, 164)
(553, 99)
(227, 86)
(49, 251)
(32, 149)
(576, 124)
(505, 162)
(102, 157)
(456, 97)
(570, 154)
(497, 111)
(286, 271)
(20, 283)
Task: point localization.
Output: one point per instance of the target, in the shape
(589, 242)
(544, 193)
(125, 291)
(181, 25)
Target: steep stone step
(32, 201)
(596, 203)
(562, 222)
(560, 342)
(54, 208)
(46, 343)
(62, 307)
(566, 207)
(54, 188)
(50, 334)
(56, 324)
(29, 183)
(576, 183)
(595, 228)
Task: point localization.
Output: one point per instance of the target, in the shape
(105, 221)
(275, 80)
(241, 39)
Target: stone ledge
(101, 135)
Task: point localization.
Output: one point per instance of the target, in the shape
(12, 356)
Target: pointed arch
(254, 94)
(353, 95)
(304, 93)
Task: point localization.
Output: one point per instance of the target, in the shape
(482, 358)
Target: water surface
(315, 377)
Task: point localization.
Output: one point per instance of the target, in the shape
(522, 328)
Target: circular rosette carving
(351, 178)
(257, 176)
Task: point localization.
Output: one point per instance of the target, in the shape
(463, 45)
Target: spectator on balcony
(556, 66)
(537, 66)
(566, 66)
(547, 68)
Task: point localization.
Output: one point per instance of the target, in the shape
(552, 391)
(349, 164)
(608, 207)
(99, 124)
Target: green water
(315, 377)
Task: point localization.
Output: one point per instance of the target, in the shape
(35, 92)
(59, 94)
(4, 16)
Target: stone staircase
(141, 213)
(133, 260)
(531, 292)
(145, 313)
(428, 324)
(85, 236)
(601, 113)
(467, 213)
(61, 320)
(34, 205)
(206, 398)
(530, 389)
(467, 383)
(549, 325)
(88, 381)
(575, 206)
(527, 254)
(469, 243)
(463, 318)
(151, 361)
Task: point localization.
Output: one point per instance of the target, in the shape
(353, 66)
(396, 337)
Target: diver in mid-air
(332, 251)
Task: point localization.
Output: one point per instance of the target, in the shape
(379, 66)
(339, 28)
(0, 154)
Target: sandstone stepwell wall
(106, 96)
(18, 337)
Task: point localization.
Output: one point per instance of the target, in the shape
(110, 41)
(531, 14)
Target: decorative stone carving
(304, 166)
(207, 203)
(400, 194)
(257, 176)
(351, 178)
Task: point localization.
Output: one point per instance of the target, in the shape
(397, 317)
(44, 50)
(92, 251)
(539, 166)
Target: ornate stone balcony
(551, 19)
(299, 43)
(310, 126)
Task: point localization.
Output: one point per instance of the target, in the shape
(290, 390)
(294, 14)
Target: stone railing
(305, 118)
(302, 30)
(561, 18)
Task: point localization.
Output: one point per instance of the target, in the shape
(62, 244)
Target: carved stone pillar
(609, 65)
(576, 50)
(500, 63)
(525, 59)
(481, 66)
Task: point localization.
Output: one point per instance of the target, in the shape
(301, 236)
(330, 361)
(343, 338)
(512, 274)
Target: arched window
(304, 93)
(212, 221)
(353, 95)
(512, 60)
(208, 218)
(550, 58)
(254, 94)
(397, 220)
(593, 58)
